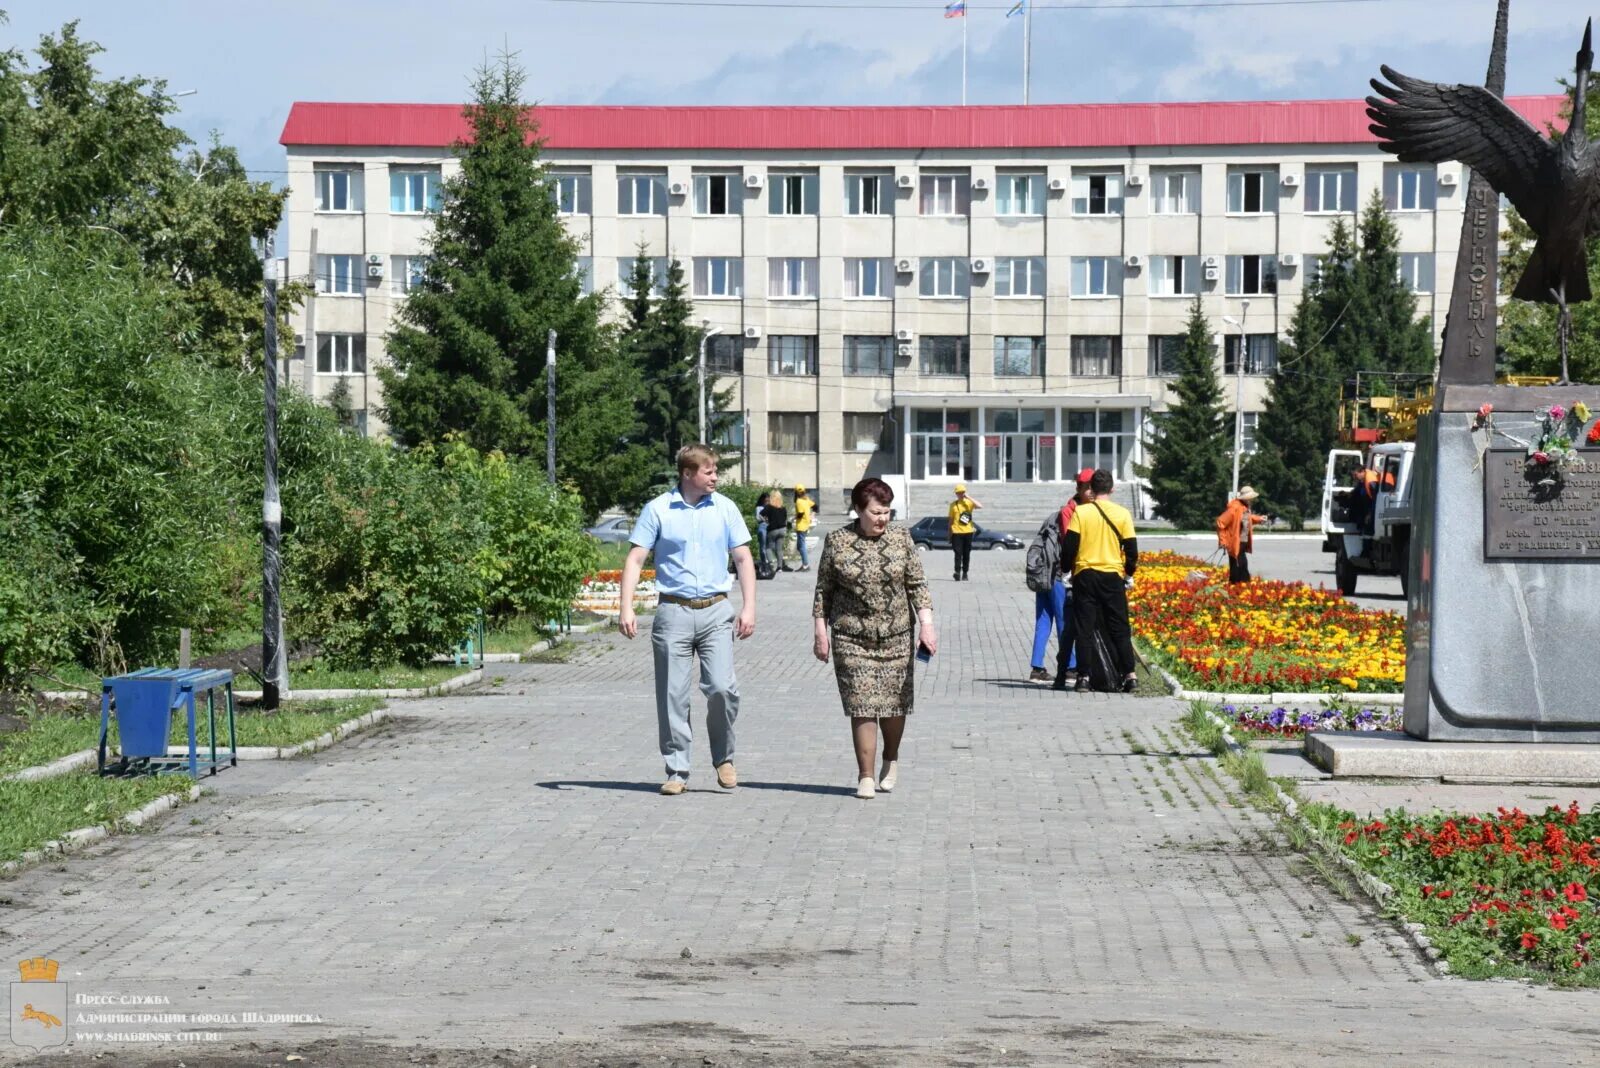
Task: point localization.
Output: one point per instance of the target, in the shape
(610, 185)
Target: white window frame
(341, 274)
(432, 189)
(792, 355)
(1423, 194)
(1340, 181)
(1108, 364)
(658, 274)
(793, 193)
(963, 354)
(574, 193)
(1174, 191)
(945, 195)
(1248, 423)
(342, 351)
(868, 278)
(1238, 190)
(1096, 277)
(792, 278)
(856, 196)
(718, 278)
(1261, 354)
(703, 199)
(1416, 271)
(326, 182)
(1111, 193)
(1019, 194)
(1175, 276)
(654, 187)
(1028, 270)
(406, 273)
(801, 427)
(1252, 276)
(944, 278)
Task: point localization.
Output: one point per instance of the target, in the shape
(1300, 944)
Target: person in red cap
(1066, 656)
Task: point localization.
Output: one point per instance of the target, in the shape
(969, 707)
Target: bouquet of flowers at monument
(1258, 721)
(1497, 894)
(602, 592)
(1263, 636)
(1552, 445)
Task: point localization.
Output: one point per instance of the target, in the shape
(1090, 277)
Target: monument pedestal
(1503, 618)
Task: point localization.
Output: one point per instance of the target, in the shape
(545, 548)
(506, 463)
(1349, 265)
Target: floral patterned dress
(869, 590)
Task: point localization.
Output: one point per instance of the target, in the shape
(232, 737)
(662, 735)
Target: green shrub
(43, 611)
(746, 495)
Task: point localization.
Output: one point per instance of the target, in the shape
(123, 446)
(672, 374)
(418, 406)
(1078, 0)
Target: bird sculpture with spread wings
(1555, 185)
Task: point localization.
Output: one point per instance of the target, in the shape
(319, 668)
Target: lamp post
(1238, 388)
(706, 332)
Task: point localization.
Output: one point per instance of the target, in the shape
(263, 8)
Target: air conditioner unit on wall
(1135, 180)
(902, 350)
(1134, 261)
(980, 184)
(1212, 274)
(677, 189)
(905, 181)
(374, 270)
(373, 257)
(752, 181)
(905, 266)
(1447, 178)
(980, 266)
(1210, 261)
(905, 335)
(1057, 185)
(1288, 259)
(752, 333)
(1291, 180)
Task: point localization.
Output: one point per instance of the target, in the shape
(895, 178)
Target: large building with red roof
(984, 294)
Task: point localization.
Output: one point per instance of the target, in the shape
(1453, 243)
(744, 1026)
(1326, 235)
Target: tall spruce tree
(1300, 421)
(468, 353)
(1190, 462)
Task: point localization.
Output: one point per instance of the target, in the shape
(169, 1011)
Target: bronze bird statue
(1554, 185)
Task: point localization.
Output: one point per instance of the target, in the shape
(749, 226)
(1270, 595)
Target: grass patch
(33, 813)
(515, 635)
(612, 555)
(1203, 729)
(314, 674)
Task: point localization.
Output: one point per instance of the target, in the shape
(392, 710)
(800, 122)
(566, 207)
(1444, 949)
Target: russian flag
(956, 9)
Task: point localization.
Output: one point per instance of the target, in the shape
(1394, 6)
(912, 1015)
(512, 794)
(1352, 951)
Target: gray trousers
(676, 636)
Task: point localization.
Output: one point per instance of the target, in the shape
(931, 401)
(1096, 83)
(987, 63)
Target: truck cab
(1366, 521)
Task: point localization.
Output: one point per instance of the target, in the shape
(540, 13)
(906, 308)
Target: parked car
(614, 530)
(933, 532)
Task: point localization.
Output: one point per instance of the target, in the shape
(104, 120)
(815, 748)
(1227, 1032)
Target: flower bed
(1258, 721)
(1263, 636)
(602, 592)
(1504, 895)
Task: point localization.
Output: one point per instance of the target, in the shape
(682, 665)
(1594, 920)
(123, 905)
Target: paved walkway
(1060, 879)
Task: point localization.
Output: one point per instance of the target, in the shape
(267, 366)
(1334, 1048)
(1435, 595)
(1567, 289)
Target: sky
(248, 63)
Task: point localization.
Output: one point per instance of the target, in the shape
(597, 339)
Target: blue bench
(143, 702)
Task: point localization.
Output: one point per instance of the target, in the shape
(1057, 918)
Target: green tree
(468, 353)
(1190, 458)
(76, 150)
(1300, 422)
(1381, 331)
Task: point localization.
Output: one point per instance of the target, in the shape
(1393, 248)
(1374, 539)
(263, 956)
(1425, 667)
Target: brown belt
(692, 602)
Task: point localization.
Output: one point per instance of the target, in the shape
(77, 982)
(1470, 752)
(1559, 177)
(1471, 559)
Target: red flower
(1529, 940)
(1594, 434)
(1447, 893)
(1558, 921)
(1427, 890)
(1575, 891)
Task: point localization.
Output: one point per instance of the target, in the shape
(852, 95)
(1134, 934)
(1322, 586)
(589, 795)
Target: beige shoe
(727, 778)
(672, 787)
(890, 776)
(864, 788)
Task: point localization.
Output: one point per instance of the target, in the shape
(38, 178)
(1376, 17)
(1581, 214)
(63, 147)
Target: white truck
(1368, 537)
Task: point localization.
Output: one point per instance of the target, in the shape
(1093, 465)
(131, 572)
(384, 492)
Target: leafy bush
(43, 610)
(746, 495)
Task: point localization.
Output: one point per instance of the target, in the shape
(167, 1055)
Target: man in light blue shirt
(692, 530)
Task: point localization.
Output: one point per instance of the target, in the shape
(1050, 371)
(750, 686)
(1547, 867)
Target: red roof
(777, 128)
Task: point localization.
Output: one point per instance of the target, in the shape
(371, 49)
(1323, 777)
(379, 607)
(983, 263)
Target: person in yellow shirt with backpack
(962, 528)
(1101, 552)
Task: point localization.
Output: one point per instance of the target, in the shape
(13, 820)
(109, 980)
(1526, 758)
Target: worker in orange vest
(1236, 533)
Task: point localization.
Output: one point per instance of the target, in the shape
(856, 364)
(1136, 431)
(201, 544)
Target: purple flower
(1307, 720)
(1278, 717)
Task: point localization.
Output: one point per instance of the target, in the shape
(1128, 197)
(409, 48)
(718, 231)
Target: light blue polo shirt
(691, 544)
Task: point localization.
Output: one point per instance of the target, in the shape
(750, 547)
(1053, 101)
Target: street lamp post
(706, 332)
(1238, 388)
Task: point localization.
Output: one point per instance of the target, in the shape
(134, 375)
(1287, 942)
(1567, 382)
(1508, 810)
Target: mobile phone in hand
(924, 654)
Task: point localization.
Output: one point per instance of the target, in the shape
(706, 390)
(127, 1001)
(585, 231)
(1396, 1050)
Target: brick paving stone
(1061, 876)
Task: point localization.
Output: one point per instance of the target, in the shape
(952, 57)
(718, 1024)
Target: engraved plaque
(1529, 516)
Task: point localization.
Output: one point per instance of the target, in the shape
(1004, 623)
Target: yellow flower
(1581, 410)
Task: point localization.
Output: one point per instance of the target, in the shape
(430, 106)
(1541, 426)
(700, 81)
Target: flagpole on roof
(1027, 47)
(963, 55)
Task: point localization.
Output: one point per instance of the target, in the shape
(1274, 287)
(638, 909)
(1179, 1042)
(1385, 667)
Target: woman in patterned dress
(869, 586)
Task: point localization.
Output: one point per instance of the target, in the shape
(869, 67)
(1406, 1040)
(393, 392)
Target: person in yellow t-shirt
(804, 511)
(1099, 542)
(962, 528)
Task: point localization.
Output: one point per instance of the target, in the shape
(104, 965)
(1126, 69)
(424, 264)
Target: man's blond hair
(693, 457)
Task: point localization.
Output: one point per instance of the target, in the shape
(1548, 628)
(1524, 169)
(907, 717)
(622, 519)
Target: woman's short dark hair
(869, 490)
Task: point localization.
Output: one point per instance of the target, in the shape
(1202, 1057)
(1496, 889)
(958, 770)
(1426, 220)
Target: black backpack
(1044, 556)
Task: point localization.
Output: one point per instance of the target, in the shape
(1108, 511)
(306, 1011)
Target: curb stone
(60, 766)
(75, 840)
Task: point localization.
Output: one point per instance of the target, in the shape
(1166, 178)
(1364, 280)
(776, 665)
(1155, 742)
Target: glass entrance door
(944, 456)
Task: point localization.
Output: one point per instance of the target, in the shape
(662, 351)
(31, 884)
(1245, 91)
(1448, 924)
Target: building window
(793, 194)
(406, 273)
(1097, 193)
(1247, 438)
(1252, 192)
(718, 276)
(1096, 276)
(943, 355)
(1330, 189)
(1408, 188)
(1166, 352)
(863, 431)
(413, 190)
(945, 276)
(1174, 192)
(1097, 355)
(1099, 438)
(1174, 276)
(1019, 194)
(868, 194)
(1252, 275)
(585, 272)
(1416, 271)
(341, 275)
(792, 354)
(1261, 355)
(341, 354)
(792, 431)
(716, 194)
(1018, 356)
(572, 193)
(338, 188)
(868, 354)
(724, 354)
(868, 278)
(792, 279)
(658, 274)
(946, 194)
(1019, 276)
(641, 194)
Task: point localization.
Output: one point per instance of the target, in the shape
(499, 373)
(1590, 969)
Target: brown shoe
(672, 787)
(727, 778)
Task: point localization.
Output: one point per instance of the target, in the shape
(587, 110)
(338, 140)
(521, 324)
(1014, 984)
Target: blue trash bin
(144, 714)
